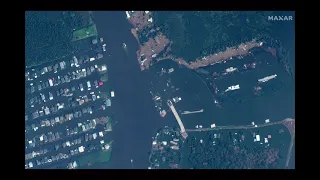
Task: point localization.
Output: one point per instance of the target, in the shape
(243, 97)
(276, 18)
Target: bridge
(176, 115)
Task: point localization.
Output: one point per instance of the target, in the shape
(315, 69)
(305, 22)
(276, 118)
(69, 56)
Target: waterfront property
(64, 109)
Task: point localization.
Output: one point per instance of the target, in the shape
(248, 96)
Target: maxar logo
(280, 18)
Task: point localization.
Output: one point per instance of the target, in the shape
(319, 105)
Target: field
(85, 32)
(97, 157)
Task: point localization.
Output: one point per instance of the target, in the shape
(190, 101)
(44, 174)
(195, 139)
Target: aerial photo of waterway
(134, 110)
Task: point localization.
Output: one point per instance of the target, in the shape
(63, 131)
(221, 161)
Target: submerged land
(67, 118)
(264, 146)
(155, 45)
(218, 38)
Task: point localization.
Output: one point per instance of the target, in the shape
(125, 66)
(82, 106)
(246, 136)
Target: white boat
(265, 79)
(231, 88)
(112, 93)
(230, 69)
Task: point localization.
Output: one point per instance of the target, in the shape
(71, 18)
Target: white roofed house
(102, 68)
(257, 137)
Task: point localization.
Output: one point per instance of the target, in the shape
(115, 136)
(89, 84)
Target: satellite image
(159, 90)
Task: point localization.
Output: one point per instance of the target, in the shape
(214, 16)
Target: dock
(192, 112)
(176, 115)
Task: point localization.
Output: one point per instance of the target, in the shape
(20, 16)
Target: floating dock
(192, 112)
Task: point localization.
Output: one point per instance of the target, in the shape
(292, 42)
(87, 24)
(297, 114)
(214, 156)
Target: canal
(132, 106)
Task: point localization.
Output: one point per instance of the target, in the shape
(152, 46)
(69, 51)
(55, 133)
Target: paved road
(251, 127)
(238, 127)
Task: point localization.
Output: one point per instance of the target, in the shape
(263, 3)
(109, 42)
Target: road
(238, 127)
(290, 150)
(251, 127)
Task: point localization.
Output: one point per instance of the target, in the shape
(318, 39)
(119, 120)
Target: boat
(176, 99)
(231, 88)
(124, 45)
(230, 69)
(267, 78)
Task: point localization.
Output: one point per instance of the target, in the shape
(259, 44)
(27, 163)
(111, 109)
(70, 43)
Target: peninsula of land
(158, 48)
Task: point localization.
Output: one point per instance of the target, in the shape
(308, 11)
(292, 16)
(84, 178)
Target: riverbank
(132, 105)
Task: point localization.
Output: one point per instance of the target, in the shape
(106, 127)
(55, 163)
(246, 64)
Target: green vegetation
(85, 32)
(236, 149)
(195, 34)
(48, 35)
(96, 157)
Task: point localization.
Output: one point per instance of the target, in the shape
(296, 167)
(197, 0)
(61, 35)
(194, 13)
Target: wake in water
(125, 48)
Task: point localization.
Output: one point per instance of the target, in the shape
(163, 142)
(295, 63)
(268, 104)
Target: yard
(85, 32)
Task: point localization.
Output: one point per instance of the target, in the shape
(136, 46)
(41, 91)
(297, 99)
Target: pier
(176, 115)
(192, 112)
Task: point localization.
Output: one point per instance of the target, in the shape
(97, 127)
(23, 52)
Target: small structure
(107, 146)
(94, 41)
(176, 99)
(269, 136)
(99, 56)
(102, 68)
(81, 149)
(30, 165)
(94, 135)
(108, 102)
(258, 137)
(101, 134)
(164, 143)
(163, 113)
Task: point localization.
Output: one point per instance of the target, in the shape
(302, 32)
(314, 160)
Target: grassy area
(97, 157)
(85, 32)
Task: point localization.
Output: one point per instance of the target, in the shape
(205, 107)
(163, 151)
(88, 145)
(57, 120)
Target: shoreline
(149, 50)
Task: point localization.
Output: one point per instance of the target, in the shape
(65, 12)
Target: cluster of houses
(59, 119)
(68, 77)
(78, 142)
(46, 108)
(36, 73)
